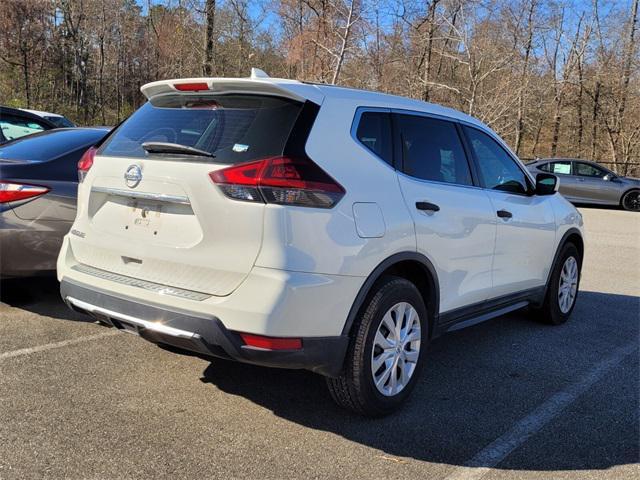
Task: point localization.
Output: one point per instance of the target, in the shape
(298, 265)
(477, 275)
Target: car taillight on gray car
(12, 191)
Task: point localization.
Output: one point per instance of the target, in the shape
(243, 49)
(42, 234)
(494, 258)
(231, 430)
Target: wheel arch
(412, 266)
(573, 235)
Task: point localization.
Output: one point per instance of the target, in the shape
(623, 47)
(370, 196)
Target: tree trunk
(626, 71)
(556, 125)
(431, 15)
(523, 77)
(25, 75)
(594, 120)
(343, 44)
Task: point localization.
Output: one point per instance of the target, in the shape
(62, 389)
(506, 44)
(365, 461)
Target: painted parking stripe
(51, 346)
(490, 456)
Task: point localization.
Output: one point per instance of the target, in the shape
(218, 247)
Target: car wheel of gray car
(631, 201)
(386, 350)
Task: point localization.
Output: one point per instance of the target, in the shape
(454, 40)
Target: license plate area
(144, 216)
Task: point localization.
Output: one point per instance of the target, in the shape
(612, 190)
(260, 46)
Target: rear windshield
(50, 144)
(235, 128)
(61, 122)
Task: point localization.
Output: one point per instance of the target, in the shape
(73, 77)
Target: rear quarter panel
(327, 241)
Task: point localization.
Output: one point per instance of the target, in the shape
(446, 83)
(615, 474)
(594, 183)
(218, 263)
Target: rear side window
(16, 127)
(586, 170)
(235, 128)
(374, 132)
(431, 150)
(563, 168)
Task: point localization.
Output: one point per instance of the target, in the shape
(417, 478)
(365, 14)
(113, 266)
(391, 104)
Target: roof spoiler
(259, 82)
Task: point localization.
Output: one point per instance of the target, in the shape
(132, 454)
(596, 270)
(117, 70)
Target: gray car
(38, 188)
(582, 181)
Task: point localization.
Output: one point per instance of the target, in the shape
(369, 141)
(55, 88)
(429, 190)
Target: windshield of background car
(235, 128)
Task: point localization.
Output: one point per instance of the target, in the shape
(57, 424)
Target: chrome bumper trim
(144, 284)
(156, 327)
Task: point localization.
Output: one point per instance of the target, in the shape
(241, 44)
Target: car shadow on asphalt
(40, 295)
(478, 382)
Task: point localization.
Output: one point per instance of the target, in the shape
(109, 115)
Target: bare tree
(550, 80)
(23, 30)
(209, 49)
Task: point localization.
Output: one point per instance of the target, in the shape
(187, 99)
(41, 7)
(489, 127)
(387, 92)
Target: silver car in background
(38, 190)
(582, 181)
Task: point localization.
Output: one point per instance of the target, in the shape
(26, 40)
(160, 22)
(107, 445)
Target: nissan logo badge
(133, 176)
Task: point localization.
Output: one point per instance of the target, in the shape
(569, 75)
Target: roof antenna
(257, 73)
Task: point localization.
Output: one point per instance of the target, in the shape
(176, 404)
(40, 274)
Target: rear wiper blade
(164, 147)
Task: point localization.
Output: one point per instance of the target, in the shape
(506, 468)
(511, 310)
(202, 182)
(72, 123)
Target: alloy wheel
(568, 287)
(396, 349)
(631, 201)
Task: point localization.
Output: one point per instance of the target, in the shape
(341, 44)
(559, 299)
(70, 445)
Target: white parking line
(51, 346)
(490, 456)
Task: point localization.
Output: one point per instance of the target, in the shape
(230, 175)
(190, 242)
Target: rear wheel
(385, 355)
(562, 290)
(631, 201)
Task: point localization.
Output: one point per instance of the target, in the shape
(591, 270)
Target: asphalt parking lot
(505, 399)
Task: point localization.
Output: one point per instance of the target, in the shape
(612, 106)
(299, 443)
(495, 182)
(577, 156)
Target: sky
(256, 7)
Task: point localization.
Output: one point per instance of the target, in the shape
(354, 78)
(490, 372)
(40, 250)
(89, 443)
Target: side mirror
(546, 184)
(609, 177)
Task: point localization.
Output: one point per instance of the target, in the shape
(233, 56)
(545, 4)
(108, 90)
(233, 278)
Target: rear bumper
(199, 333)
(270, 302)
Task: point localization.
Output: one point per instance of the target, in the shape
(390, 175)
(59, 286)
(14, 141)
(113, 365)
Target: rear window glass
(235, 128)
(374, 132)
(50, 144)
(14, 127)
(61, 122)
(432, 150)
(560, 167)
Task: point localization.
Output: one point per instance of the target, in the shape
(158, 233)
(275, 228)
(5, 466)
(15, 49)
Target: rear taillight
(271, 343)
(85, 163)
(12, 191)
(280, 180)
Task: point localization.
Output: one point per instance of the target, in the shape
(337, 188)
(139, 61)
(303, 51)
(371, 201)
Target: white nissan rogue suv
(295, 225)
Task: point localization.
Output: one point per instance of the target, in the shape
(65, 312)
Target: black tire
(631, 200)
(355, 389)
(550, 311)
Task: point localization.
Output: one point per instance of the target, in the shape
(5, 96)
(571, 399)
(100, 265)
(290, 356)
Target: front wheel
(631, 201)
(562, 290)
(385, 354)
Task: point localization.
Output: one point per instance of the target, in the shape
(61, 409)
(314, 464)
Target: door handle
(504, 214)
(428, 207)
